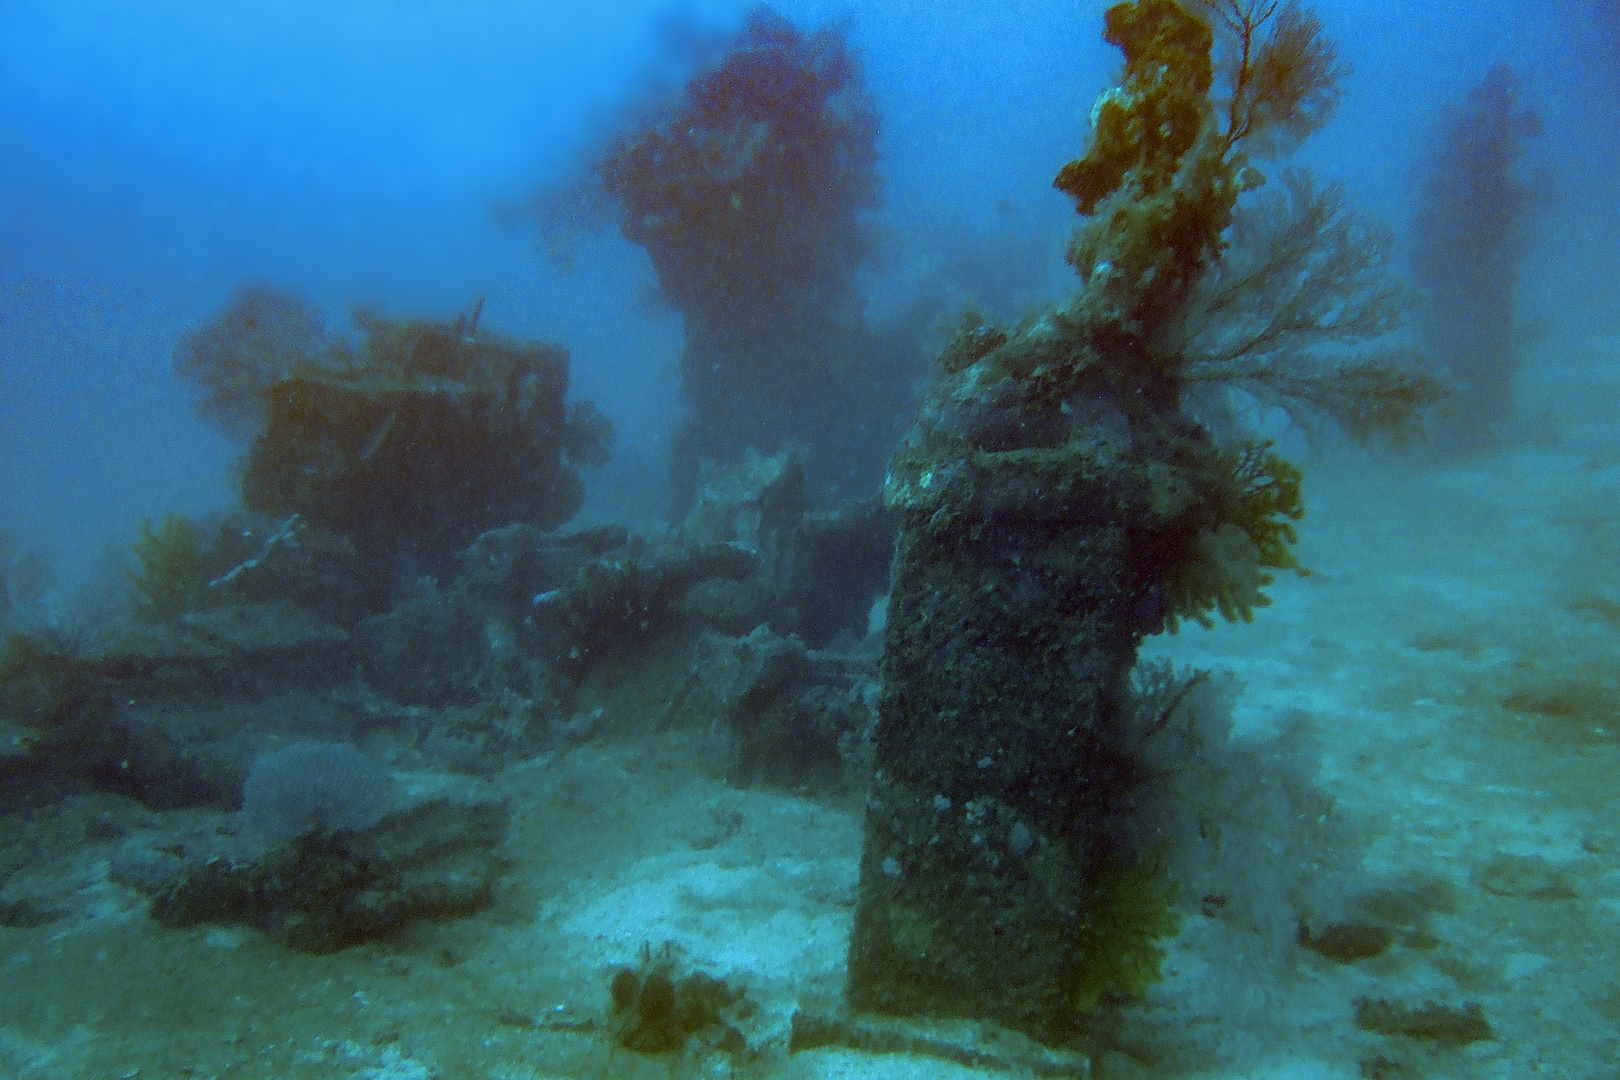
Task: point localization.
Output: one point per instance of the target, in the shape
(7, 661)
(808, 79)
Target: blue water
(152, 163)
(158, 158)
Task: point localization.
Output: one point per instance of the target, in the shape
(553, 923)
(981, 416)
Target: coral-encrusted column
(1058, 501)
(1056, 504)
(1020, 594)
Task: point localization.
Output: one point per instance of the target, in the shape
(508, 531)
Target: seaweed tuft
(168, 578)
(1131, 910)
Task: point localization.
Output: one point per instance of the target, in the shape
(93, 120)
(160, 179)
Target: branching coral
(1270, 297)
(1302, 267)
(746, 190)
(1154, 180)
(263, 339)
(1290, 298)
(1306, 279)
(1282, 73)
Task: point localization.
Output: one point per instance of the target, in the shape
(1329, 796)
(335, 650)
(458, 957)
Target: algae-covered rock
(275, 629)
(819, 571)
(327, 890)
(253, 648)
(428, 649)
(431, 435)
(1432, 1021)
(799, 718)
(76, 726)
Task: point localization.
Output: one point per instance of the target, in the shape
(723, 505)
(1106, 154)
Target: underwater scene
(862, 540)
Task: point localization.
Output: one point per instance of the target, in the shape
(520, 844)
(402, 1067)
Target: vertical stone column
(1057, 502)
(1018, 602)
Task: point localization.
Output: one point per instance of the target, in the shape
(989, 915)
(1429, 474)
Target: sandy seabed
(1456, 650)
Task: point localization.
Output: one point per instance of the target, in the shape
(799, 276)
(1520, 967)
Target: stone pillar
(1019, 598)
(1056, 503)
